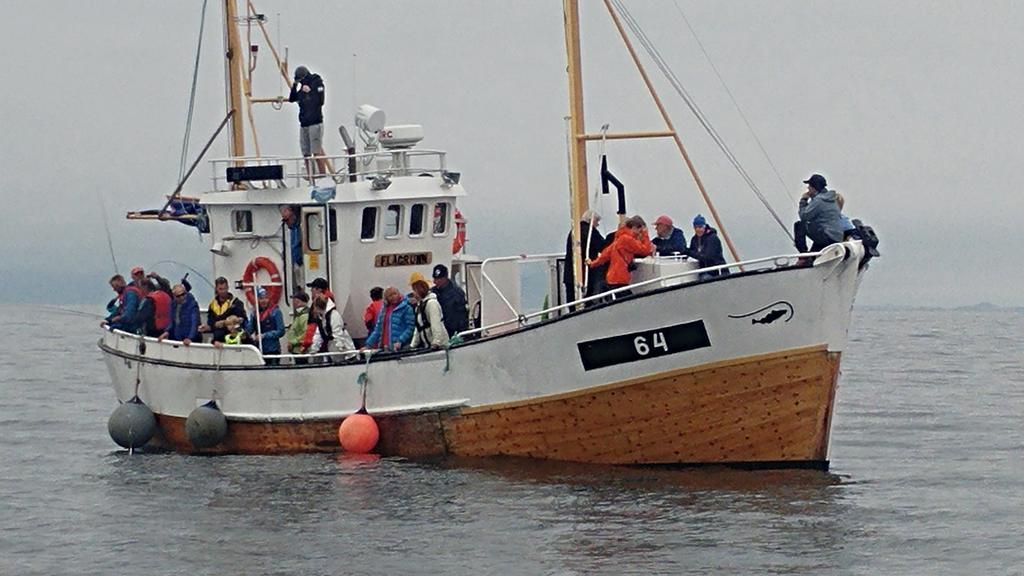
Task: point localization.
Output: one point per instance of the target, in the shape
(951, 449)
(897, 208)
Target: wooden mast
(577, 144)
(233, 72)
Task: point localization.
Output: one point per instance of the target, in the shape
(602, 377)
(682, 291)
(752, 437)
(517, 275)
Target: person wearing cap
(297, 330)
(820, 217)
(631, 241)
(270, 328)
(308, 92)
(138, 276)
(395, 323)
(706, 248)
(591, 244)
(452, 300)
(669, 240)
(184, 326)
(430, 331)
(223, 305)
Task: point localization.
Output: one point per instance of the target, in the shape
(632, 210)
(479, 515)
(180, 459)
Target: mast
(577, 142)
(233, 72)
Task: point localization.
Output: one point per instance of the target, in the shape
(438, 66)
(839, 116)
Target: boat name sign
(406, 259)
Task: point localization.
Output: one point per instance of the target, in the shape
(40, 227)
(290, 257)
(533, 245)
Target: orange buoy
(358, 433)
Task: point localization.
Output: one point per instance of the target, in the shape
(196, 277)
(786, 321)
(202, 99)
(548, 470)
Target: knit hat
(663, 219)
(301, 72)
(416, 277)
(699, 220)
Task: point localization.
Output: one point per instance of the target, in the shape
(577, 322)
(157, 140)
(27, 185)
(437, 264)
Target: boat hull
(769, 409)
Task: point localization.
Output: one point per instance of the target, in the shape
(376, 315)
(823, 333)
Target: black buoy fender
(132, 424)
(206, 426)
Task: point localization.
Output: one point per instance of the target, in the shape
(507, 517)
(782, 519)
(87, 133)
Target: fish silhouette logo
(777, 310)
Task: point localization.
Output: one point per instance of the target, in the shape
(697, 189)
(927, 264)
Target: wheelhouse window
(242, 221)
(393, 221)
(368, 229)
(314, 231)
(333, 217)
(416, 214)
(440, 219)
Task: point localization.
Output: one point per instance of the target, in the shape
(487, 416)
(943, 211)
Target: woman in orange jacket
(631, 241)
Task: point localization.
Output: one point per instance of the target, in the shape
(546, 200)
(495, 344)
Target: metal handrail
(523, 318)
(519, 258)
(341, 160)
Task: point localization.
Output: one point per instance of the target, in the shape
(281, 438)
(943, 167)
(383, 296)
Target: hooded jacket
(310, 103)
(822, 217)
(707, 249)
(620, 254)
(400, 325)
(271, 329)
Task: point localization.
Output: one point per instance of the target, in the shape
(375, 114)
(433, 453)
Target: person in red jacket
(631, 241)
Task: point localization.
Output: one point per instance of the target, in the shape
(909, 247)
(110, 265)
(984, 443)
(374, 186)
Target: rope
(691, 103)
(363, 381)
(454, 340)
(192, 95)
(732, 98)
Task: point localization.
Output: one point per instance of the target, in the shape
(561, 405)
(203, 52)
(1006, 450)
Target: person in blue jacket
(271, 326)
(122, 316)
(184, 326)
(396, 322)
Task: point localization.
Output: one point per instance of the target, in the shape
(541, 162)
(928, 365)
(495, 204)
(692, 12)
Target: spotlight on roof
(450, 178)
(220, 249)
(370, 119)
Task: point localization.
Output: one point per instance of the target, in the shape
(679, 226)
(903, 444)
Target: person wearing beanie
(308, 92)
(820, 217)
(706, 248)
(669, 240)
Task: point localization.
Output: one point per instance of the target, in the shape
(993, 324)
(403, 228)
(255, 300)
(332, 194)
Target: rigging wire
(782, 182)
(186, 266)
(192, 95)
(691, 103)
(106, 227)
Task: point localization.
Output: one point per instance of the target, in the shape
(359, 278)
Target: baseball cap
(440, 271)
(663, 219)
(319, 284)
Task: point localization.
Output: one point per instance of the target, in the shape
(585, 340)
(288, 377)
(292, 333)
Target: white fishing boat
(677, 368)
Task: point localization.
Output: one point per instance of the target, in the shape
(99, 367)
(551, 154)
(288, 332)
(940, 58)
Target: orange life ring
(262, 263)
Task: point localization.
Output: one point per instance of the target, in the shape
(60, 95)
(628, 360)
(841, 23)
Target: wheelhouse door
(317, 234)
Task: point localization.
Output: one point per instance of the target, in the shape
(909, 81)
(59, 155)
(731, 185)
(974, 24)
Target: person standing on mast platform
(308, 92)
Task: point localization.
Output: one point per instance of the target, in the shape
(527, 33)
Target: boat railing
(521, 318)
(367, 165)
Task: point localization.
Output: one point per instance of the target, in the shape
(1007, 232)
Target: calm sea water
(927, 477)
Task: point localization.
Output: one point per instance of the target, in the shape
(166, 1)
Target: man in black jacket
(308, 91)
(706, 248)
(597, 242)
(453, 301)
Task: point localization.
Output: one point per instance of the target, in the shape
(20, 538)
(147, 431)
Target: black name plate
(642, 345)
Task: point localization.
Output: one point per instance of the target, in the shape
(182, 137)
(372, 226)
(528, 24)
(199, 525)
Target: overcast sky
(911, 109)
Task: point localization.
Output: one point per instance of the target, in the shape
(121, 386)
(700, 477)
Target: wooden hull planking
(771, 408)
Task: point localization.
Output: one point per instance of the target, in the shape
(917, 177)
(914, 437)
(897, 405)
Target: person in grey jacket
(820, 218)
